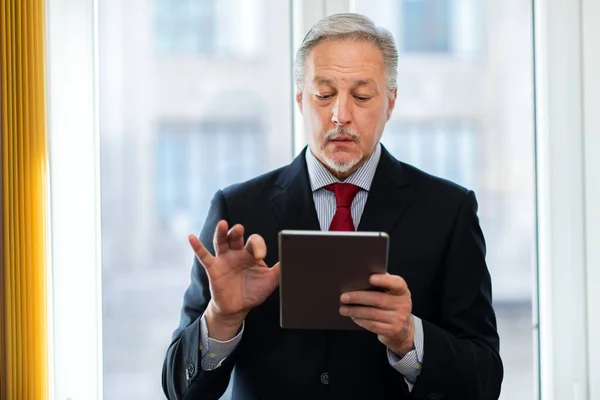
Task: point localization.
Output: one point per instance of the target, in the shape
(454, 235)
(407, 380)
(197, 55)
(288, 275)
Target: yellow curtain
(24, 180)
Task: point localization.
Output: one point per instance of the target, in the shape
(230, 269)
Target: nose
(341, 112)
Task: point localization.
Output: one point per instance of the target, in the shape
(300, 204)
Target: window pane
(465, 112)
(190, 102)
(185, 25)
(425, 25)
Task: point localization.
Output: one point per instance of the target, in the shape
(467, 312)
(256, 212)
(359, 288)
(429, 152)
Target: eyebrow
(361, 82)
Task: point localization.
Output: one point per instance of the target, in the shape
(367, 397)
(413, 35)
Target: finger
(275, 274)
(276, 269)
(202, 254)
(220, 241)
(235, 237)
(394, 284)
(256, 246)
(379, 328)
(371, 298)
(369, 313)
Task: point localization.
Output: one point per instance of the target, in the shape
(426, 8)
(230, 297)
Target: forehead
(344, 60)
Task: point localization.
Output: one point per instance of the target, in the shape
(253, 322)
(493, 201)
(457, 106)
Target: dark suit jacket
(436, 245)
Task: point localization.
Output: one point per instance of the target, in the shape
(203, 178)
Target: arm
(462, 359)
(182, 364)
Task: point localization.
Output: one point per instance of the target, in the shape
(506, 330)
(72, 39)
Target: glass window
(229, 28)
(445, 149)
(185, 183)
(171, 128)
(184, 86)
(186, 25)
(467, 115)
(425, 25)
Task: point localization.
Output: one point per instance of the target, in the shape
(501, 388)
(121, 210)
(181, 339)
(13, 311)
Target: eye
(323, 96)
(361, 98)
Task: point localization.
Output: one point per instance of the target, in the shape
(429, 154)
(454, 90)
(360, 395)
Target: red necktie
(344, 194)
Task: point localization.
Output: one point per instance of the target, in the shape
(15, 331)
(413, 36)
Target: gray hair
(348, 26)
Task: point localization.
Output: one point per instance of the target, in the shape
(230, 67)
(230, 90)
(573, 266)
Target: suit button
(325, 378)
(189, 372)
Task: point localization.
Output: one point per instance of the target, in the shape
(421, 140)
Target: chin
(342, 165)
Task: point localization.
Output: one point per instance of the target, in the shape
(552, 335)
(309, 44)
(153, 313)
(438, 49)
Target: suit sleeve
(462, 358)
(182, 375)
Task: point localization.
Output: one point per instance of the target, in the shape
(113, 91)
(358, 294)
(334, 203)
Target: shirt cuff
(213, 351)
(411, 364)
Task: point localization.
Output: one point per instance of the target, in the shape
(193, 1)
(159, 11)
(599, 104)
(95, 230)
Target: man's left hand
(387, 313)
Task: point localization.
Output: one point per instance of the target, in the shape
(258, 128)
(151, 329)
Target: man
(429, 334)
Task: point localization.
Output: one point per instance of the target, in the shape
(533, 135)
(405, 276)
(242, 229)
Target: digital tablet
(318, 266)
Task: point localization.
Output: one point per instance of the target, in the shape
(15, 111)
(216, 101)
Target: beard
(345, 164)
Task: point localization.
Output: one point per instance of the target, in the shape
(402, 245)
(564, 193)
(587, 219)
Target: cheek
(371, 124)
(320, 119)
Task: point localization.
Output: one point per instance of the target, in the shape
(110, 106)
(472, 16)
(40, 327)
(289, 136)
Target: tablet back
(317, 267)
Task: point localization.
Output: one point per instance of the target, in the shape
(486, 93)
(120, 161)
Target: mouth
(342, 139)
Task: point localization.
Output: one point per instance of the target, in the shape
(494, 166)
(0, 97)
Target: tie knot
(344, 193)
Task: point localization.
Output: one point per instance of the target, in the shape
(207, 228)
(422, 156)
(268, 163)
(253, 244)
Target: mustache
(336, 132)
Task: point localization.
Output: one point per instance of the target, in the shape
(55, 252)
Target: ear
(392, 102)
(299, 101)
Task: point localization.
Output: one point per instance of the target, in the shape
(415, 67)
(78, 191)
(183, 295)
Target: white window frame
(75, 306)
(590, 18)
(568, 192)
(567, 77)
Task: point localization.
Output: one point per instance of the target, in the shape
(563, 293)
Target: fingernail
(345, 297)
(344, 310)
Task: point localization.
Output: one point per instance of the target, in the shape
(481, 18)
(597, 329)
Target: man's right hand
(238, 276)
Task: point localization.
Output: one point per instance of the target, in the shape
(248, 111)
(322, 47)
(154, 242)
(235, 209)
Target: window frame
(74, 274)
(590, 17)
(567, 183)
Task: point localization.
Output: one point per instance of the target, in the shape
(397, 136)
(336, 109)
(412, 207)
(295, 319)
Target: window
(186, 25)
(188, 105)
(141, 296)
(468, 117)
(426, 25)
(446, 149)
(230, 28)
(187, 175)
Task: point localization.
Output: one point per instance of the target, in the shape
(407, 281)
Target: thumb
(276, 269)
(275, 273)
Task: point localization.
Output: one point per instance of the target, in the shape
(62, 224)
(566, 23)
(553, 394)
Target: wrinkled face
(345, 103)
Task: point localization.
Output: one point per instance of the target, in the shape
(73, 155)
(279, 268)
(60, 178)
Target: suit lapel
(389, 196)
(292, 197)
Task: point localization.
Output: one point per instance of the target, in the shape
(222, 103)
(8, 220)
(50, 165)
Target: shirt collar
(319, 176)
